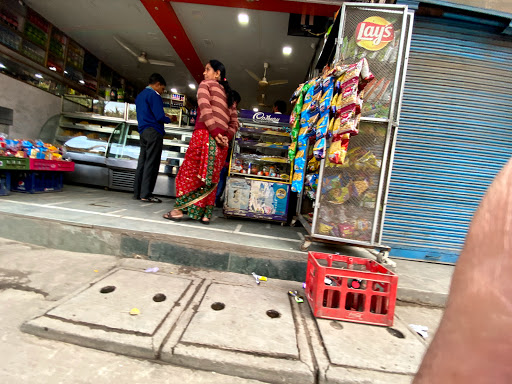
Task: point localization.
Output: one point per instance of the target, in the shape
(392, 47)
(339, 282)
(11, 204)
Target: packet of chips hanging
(297, 182)
(313, 165)
(312, 181)
(322, 127)
(292, 149)
(338, 150)
(319, 149)
(296, 94)
(295, 118)
(298, 167)
(327, 94)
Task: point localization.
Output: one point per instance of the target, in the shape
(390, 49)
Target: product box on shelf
(350, 289)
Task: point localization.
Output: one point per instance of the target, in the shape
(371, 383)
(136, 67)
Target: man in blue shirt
(151, 119)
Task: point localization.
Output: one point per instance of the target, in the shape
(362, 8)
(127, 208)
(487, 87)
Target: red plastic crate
(351, 289)
(51, 165)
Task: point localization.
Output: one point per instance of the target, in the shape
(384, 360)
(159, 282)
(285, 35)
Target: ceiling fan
(261, 100)
(263, 82)
(143, 56)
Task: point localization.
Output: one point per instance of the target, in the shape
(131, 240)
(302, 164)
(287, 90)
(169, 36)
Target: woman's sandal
(205, 222)
(151, 199)
(169, 216)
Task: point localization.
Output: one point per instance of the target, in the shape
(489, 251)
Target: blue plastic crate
(36, 182)
(5, 183)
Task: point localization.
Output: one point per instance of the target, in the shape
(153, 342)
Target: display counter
(105, 149)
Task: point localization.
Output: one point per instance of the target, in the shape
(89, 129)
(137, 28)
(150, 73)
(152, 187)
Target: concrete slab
(242, 339)
(243, 324)
(93, 319)
(341, 375)
(26, 359)
(133, 289)
(371, 347)
(428, 316)
(423, 283)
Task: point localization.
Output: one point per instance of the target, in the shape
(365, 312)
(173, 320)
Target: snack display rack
(343, 183)
(259, 179)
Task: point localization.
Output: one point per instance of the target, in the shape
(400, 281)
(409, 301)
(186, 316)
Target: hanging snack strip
(351, 81)
(331, 110)
(308, 117)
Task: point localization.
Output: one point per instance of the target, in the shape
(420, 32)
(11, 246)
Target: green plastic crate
(8, 163)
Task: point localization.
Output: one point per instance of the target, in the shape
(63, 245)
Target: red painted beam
(271, 5)
(167, 20)
(164, 16)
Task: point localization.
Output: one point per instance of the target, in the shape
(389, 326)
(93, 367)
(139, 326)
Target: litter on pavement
(259, 278)
(421, 330)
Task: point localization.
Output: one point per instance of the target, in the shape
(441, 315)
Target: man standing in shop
(151, 119)
(279, 107)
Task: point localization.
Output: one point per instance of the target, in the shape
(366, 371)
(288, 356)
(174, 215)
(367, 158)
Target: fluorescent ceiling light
(192, 86)
(38, 75)
(2, 66)
(66, 72)
(287, 50)
(53, 69)
(81, 81)
(243, 18)
(255, 109)
(174, 90)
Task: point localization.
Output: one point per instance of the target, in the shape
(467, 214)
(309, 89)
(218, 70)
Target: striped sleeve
(233, 123)
(203, 102)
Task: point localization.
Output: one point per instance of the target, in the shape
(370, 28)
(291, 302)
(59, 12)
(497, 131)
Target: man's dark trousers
(151, 142)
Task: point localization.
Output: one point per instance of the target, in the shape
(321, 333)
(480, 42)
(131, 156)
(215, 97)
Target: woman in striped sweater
(217, 123)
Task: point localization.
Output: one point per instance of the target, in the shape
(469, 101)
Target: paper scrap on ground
(154, 269)
(134, 311)
(421, 330)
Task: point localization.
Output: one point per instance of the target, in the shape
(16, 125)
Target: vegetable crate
(36, 182)
(5, 183)
(351, 289)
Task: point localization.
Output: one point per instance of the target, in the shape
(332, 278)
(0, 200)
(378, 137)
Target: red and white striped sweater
(213, 112)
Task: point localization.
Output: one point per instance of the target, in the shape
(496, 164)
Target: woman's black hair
(236, 96)
(218, 66)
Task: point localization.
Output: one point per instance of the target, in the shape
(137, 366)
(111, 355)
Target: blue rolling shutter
(455, 135)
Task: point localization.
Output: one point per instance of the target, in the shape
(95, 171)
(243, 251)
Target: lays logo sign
(374, 33)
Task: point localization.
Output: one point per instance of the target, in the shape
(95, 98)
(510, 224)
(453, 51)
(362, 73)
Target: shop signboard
(264, 117)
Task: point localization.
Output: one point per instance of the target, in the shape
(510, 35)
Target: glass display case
(105, 146)
(259, 179)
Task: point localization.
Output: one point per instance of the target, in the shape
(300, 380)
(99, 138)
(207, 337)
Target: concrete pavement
(57, 295)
